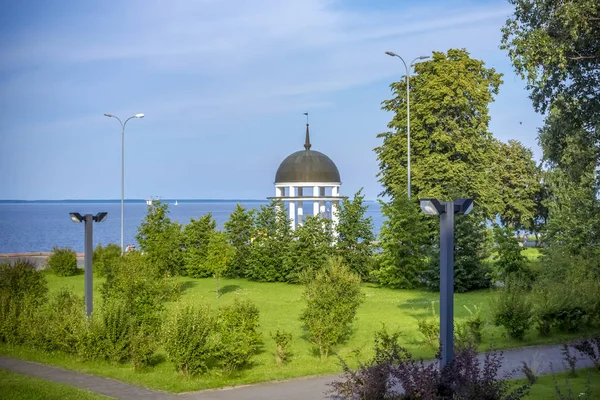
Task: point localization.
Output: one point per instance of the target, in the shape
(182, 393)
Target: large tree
(355, 235)
(239, 230)
(555, 45)
(196, 237)
(451, 146)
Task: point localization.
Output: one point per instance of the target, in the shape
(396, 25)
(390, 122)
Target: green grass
(280, 305)
(16, 386)
(545, 387)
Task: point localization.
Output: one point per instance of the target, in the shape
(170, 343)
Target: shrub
(332, 295)
(282, 339)
(385, 343)
(196, 237)
(142, 347)
(512, 309)
(63, 262)
(106, 258)
(190, 339)
(20, 279)
(466, 378)
(469, 332)
(238, 337)
(509, 259)
(430, 328)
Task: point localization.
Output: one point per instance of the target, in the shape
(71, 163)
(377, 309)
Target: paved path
(539, 359)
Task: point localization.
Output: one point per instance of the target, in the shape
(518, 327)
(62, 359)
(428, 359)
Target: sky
(223, 86)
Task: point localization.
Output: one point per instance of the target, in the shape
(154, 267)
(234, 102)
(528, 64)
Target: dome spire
(307, 144)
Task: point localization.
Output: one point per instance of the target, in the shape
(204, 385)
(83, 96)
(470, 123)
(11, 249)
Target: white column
(300, 207)
(292, 208)
(322, 202)
(279, 191)
(315, 202)
(335, 192)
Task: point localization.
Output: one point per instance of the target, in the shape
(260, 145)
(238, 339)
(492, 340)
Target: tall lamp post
(123, 169)
(407, 67)
(89, 219)
(446, 211)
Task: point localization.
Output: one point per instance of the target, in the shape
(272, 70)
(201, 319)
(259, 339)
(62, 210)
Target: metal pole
(408, 121)
(89, 253)
(122, 183)
(447, 284)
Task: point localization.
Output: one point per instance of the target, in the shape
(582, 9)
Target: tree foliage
(450, 96)
(555, 45)
(239, 228)
(196, 237)
(160, 239)
(405, 241)
(219, 255)
(355, 235)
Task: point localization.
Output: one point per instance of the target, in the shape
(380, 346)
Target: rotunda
(308, 176)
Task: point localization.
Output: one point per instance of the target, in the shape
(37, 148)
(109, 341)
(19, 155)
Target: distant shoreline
(138, 201)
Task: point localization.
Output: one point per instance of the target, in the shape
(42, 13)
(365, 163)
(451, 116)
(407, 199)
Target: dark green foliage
(471, 250)
(332, 295)
(355, 235)
(218, 255)
(282, 340)
(196, 236)
(430, 328)
(239, 229)
(385, 343)
(238, 337)
(469, 333)
(190, 339)
(63, 262)
(270, 244)
(509, 260)
(160, 239)
(449, 110)
(310, 250)
(406, 242)
(105, 258)
(116, 327)
(513, 310)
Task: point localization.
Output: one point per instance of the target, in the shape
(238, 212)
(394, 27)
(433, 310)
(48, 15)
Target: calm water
(27, 227)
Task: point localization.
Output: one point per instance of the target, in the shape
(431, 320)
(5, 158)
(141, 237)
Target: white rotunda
(308, 176)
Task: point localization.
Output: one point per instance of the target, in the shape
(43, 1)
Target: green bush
(63, 262)
(509, 259)
(513, 310)
(469, 333)
(282, 340)
(20, 279)
(238, 335)
(143, 345)
(190, 339)
(385, 344)
(106, 258)
(332, 295)
(430, 328)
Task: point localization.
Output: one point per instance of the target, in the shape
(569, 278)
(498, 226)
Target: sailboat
(175, 202)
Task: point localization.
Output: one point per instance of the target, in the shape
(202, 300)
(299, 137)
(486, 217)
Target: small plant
(570, 359)
(63, 262)
(529, 373)
(430, 328)
(513, 310)
(591, 349)
(282, 340)
(469, 332)
(385, 344)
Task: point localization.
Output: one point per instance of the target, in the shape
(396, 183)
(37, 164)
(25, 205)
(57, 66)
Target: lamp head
(76, 217)
(391, 53)
(101, 216)
(108, 115)
(424, 57)
(432, 206)
(140, 115)
(463, 206)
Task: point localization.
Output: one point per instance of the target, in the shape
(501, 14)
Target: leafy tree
(555, 45)
(406, 241)
(332, 298)
(63, 261)
(270, 243)
(471, 250)
(355, 235)
(105, 257)
(451, 147)
(239, 229)
(160, 239)
(310, 249)
(219, 255)
(518, 183)
(509, 260)
(196, 237)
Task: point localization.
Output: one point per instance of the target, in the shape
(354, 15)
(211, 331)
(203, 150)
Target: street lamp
(123, 167)
(89, 219)
(446, 211)
(392, 54)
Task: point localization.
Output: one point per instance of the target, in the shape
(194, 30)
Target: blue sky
(224, 85)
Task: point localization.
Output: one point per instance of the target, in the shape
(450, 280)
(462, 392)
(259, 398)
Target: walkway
(539, 359)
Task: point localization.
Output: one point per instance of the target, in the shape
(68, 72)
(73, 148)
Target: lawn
(545, 387)
(16, 386)
(280, 305)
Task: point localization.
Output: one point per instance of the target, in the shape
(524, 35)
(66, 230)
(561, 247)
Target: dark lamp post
(89, 219)
(446, 211)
